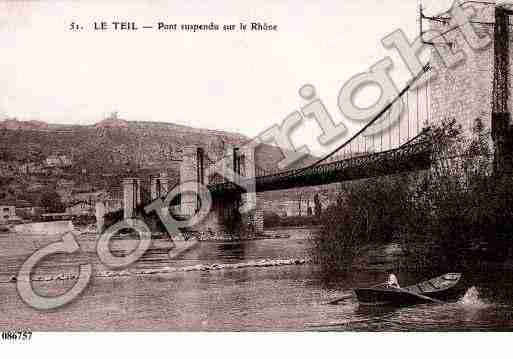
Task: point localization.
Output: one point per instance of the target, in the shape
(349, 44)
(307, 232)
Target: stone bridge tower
(131, 197)
(472, 82)
(196, 167)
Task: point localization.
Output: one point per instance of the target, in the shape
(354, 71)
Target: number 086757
(17, 335)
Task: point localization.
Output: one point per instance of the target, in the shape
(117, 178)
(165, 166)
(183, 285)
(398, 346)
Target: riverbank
(25, 244)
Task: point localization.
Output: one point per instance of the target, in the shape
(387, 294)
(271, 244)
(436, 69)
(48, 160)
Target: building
(81, 209)
(31, 168)
(7, 212)
(58, 161)
(16, 210)
(53, 161)
(65, 161)
(88, 197)
(114, 199)
(26, 209)
(7, 169)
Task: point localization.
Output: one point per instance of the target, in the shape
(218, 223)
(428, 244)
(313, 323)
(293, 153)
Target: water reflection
(236, 250)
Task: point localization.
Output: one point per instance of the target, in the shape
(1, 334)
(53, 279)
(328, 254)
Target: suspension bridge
(396, 140)
(400, 145)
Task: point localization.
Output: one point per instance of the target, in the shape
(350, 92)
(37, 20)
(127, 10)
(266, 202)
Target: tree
(51, 201)
(299, 200)
(308, 209)
(318, 205)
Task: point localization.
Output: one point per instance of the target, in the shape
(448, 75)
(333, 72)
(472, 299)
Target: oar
(341, 299)
(349, 296)
(433, 300)
(429, 299)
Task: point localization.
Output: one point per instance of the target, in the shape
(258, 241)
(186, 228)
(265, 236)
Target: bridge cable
(425, 69)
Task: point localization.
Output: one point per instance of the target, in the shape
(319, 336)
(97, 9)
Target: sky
(242, 81)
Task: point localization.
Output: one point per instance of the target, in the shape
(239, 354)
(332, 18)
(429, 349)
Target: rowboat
(442, 288)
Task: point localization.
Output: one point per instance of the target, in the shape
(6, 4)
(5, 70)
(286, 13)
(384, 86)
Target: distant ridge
(113, 145)
(110, 122)
(15, 124)
(104, 153)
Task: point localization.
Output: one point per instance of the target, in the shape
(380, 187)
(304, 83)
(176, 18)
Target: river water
(291, 297)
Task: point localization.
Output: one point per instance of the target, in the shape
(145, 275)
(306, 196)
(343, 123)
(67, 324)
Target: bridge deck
(413, 157)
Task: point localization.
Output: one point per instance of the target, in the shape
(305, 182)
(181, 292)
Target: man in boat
(392, 281)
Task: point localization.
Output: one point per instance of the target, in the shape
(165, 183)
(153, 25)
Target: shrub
(366, 212)
(442, 217)
(272, 219)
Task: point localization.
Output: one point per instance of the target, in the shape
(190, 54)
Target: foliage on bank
(449, 217)
(273, 220)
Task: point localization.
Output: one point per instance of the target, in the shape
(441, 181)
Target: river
(289, 297)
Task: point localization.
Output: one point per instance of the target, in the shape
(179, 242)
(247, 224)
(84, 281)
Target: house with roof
(16, 210)
(7, 212)
(114, 199)
(31, 168)
(58, 161)
(53, 161)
